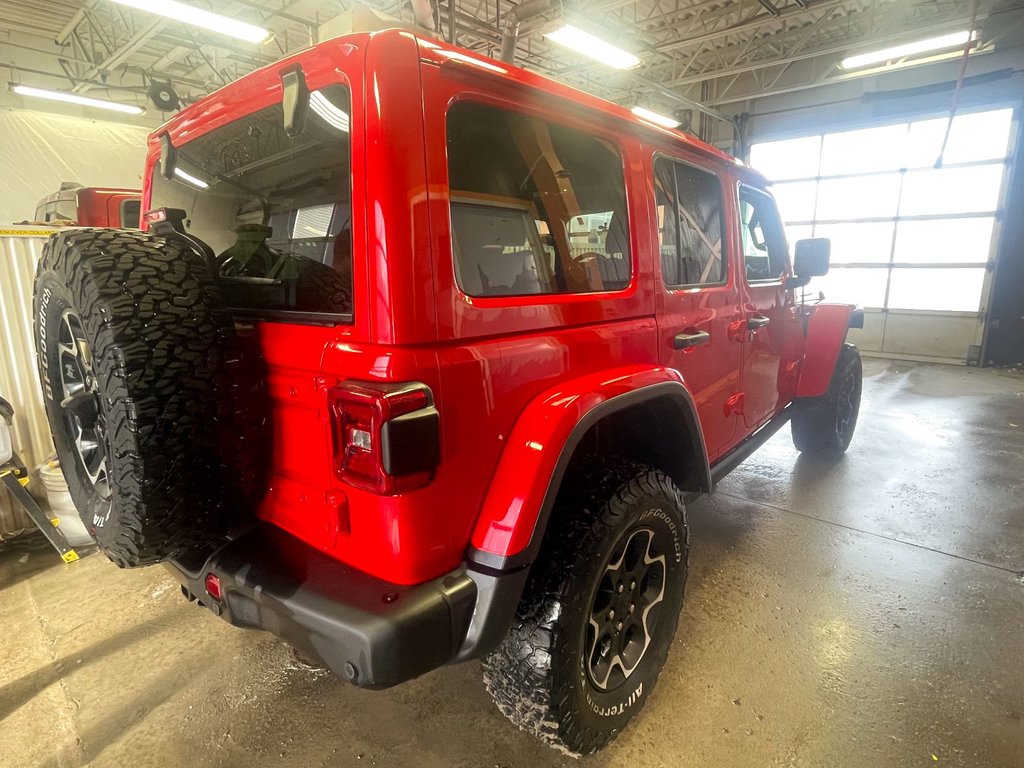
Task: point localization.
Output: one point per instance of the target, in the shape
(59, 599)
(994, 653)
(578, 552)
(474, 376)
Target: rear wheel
(143, 379)
(599, 611)
(825, 425)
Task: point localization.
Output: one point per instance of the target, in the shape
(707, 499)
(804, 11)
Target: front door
(767, 309)
(700, 310)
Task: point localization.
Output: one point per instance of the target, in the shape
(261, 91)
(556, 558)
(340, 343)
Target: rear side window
(765, 253)
(536, 207)
(690, 224)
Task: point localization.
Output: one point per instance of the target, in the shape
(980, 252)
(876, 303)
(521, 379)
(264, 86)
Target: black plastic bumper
(370, 631)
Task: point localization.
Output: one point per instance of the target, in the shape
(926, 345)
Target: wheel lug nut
(632, 584)
(632, 607)
(618, 627)
(611, 614)
(621, 587)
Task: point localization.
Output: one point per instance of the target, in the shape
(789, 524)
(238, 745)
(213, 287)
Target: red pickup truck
(417, 361)
(91, 206)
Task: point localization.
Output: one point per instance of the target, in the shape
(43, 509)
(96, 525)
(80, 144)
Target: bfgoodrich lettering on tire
(599, 611)
(143, 380)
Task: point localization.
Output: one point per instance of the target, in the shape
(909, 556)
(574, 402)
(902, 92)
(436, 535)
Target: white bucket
(61, 505)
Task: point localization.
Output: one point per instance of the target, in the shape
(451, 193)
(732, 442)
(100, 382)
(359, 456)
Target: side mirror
(811, 259)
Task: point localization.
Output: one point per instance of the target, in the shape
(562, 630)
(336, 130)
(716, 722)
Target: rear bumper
(370, 631)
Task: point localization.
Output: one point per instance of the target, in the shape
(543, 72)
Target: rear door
(700, 315)
(767, 308)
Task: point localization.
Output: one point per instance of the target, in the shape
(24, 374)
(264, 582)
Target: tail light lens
(386, 436)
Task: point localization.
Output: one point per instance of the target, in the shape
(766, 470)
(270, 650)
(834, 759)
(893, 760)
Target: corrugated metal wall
(20, 248)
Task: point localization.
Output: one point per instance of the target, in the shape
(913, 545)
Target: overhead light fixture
(954, 40)
(197, 17)
(600, 50)
(188, 177)
(76, 98)
(328, 112)
(655, 118)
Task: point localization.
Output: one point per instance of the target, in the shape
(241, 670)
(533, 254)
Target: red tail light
(386, 436)
(213, 586)
(155, 216)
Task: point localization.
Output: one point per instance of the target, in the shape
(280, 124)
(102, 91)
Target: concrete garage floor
(866, 613)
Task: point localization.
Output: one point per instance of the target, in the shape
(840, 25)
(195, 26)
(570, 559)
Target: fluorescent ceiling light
(75, 98)
(577, 40)
(655, 118)
(910, 49)
(328, 112)
(188, 14)
(195, 182)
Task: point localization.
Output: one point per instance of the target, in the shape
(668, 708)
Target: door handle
(757, 321)
(688, 339)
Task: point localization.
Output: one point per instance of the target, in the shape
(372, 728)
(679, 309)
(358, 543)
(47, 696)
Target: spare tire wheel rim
(80, 403)
(623, 616)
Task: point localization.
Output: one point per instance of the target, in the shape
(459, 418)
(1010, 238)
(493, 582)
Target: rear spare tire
(143, 379)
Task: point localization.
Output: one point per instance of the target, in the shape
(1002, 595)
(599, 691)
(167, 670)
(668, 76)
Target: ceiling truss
(710, 51)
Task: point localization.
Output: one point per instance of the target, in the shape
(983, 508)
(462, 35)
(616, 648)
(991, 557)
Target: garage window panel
(797, 232)
(796, 200)
(950, 241)
(863, 151)
(973, 137)
(859, 243)
(789, 159)
(864, 286)
(905, 235)
(858, 197)
(950, 290)
(971, 189)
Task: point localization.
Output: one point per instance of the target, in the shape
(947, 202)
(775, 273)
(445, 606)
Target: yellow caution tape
(70, 556)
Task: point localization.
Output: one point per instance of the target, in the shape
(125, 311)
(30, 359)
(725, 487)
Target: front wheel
(599, 612)
(825, 425)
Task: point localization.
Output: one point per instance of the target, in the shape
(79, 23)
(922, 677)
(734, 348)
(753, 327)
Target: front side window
(764, 244)
(690, 224)
(275, 209)
(536, 207)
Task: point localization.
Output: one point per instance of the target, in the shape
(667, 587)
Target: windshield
(276, 210)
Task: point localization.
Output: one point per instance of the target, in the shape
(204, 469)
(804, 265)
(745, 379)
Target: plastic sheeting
(39, 151)
(20, 248)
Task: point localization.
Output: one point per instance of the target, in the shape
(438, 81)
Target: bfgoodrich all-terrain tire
(825, 425)
(143, 379)
(599, 611)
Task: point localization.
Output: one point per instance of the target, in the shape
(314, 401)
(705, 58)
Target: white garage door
(911, 243)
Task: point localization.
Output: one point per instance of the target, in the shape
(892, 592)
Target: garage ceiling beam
(121, 55)
(833, 50)
(751, 24)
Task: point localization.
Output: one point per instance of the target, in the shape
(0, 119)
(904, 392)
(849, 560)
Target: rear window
(276, 210)
(536, 207)
(130, 213)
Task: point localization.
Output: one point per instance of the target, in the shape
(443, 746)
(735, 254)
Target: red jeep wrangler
(417, 360)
